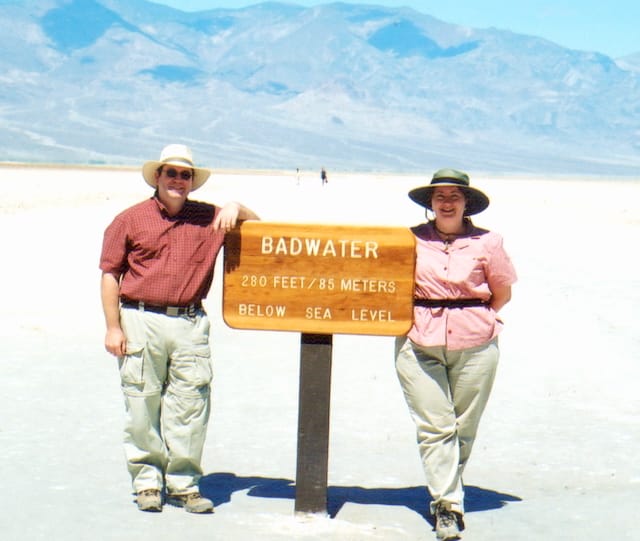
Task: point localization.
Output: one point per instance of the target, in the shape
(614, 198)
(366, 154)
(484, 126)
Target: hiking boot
(448, 524)
(193, 502)
(149, 500)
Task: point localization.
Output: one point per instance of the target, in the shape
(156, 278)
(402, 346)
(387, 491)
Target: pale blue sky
(610, 27)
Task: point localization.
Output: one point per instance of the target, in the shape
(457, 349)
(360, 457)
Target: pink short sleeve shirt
(466, 268)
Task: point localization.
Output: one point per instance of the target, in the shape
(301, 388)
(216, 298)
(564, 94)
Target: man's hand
(230, 214)
(227, 218)
(115, 342)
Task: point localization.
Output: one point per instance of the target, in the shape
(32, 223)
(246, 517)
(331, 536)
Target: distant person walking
(446, 364)
(323, 176)
(157, 266)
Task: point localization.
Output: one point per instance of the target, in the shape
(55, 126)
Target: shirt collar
(427, 232)
(165, 212)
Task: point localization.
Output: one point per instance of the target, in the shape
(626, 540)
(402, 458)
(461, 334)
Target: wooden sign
(321, 279)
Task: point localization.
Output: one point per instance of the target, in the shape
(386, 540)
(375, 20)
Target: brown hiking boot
(449, 524)
(149, 500)
(193, 502)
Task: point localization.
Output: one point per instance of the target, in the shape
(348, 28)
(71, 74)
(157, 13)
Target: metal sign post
(313, 423)
(318, 280)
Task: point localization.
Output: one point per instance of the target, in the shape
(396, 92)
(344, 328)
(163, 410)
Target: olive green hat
(476, 201)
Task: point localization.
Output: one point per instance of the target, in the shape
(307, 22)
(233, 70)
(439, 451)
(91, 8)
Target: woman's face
(448, 203)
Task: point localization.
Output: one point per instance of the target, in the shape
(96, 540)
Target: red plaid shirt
(160, 259)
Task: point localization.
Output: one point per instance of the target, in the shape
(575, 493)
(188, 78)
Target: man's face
(174, 184)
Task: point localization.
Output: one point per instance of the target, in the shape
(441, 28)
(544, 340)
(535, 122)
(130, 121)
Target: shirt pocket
(194, 242)
(468, 270)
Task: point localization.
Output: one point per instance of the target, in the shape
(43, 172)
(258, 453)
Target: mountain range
(276, 85)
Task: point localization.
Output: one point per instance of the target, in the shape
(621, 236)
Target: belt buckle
(173, 311)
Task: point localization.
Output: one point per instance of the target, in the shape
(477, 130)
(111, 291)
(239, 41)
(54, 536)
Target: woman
(447, 362)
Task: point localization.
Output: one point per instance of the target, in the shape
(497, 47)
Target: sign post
(313, 423)
(318, 280)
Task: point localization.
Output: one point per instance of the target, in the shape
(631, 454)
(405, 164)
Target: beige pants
(165, 378)
(446, 392)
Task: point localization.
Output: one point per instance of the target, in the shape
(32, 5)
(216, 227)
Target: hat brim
(200, 174)
(476, 200)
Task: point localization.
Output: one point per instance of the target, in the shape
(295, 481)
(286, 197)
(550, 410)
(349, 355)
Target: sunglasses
(184, 175)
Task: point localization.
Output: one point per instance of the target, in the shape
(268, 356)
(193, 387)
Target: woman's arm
(500, 296)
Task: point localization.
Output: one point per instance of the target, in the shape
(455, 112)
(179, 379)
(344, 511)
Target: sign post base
(313, 423)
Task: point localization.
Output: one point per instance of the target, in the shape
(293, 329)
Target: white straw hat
(180, 156)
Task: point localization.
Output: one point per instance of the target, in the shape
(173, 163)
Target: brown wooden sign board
(325, 279)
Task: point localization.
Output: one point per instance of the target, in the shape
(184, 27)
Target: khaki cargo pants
(446, 392)
(166, 376)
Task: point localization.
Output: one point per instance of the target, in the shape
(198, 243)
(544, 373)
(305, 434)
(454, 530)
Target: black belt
(174, 311)
(449, 303)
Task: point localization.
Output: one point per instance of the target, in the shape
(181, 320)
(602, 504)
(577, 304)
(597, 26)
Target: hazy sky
(610, 27)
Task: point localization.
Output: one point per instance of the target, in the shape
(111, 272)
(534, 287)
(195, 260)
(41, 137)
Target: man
(157, 265)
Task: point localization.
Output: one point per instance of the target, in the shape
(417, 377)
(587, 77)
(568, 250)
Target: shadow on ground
(220, 486)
